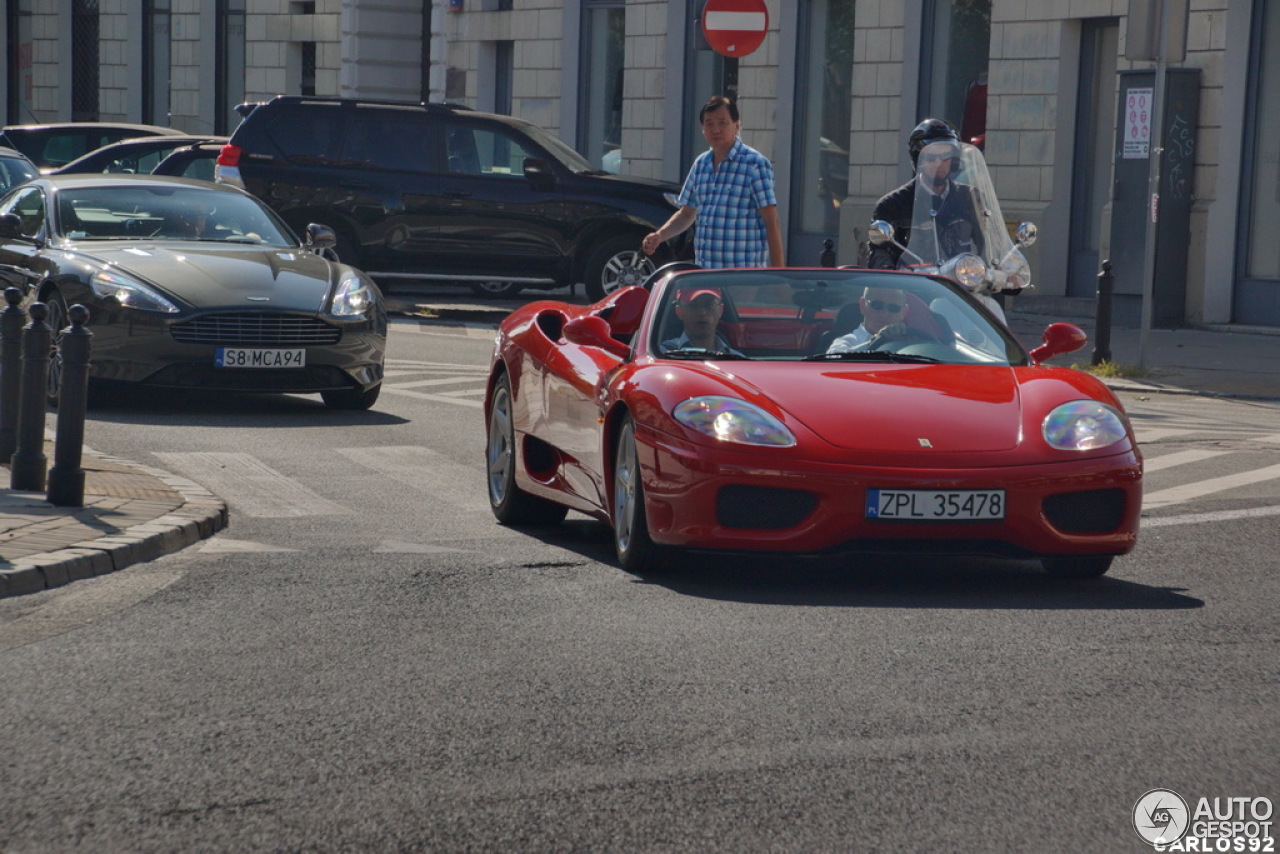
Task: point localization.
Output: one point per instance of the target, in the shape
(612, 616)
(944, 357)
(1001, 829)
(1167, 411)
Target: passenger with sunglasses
(884, 315)
(935, 149)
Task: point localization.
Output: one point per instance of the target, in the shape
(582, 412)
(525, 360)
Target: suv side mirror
(10, 225)
(320, 237)
(538, 173)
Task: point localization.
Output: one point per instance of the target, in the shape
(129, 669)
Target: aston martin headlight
(1083, 425)
(968, 270)
(352, 298)
(731, 420)
(129, 292)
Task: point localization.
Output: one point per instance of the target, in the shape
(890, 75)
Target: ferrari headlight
(1083, 425)
(731, 420)
(129, 292)
(968, 270)
(352, 298)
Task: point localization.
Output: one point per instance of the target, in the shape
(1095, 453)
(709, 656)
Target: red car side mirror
(592, 330)
(1059, 338)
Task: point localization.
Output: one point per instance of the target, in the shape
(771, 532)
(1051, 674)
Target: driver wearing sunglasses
(884, 315)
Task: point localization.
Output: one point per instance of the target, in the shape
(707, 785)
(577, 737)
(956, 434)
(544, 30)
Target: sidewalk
(133, 513)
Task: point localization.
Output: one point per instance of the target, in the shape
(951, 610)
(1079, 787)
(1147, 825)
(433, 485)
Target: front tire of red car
(1086, 566)
(636, 551)
(510, 504)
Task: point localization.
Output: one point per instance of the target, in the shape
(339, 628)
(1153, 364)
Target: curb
(200, 516)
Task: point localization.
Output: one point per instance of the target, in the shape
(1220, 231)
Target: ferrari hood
(224, 276)
(895, 408)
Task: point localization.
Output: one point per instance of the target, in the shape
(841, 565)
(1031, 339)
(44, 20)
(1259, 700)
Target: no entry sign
(735, 27)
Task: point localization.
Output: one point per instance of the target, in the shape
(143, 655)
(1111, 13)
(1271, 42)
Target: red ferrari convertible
(808, 411)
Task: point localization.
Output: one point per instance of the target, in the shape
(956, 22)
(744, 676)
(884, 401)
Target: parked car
(15, 169)
(50, 146)
(193, 161)
(443, 192)
(192, 285)
(138, 156)
(945, 439)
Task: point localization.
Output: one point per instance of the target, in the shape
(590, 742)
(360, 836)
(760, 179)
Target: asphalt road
(365, 661)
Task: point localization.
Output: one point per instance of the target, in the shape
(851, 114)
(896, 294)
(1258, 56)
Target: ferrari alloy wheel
(636, 551)
(1077, 566)
(617, 263)
(511, 505)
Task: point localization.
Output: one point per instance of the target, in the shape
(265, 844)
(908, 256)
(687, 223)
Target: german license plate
(250, 357)
(926, 505)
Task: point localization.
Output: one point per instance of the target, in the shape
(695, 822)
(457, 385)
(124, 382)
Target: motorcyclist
(934, 147)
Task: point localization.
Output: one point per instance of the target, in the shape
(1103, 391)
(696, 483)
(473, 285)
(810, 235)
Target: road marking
(399, 547)
(438, 381)
(438, 398)
(426, 470)
(1178, 458)
(1186, 492)
(223, 545)
(1217, 516)
(250, 486)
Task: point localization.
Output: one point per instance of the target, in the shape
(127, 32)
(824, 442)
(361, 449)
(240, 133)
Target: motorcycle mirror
(1027, 233)
(881, 232)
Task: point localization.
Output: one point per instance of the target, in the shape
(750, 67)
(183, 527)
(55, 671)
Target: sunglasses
(881, 305)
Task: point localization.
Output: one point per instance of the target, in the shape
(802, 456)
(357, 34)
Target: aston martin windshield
(826, 315)
(165, 213)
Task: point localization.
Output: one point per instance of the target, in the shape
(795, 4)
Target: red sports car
(808, 411)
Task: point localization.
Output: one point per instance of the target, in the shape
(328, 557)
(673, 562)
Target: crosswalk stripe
(426, 470)
(1178, 458)
(1217, 516)
(438, 398)
(1186, 492)
(250, 486)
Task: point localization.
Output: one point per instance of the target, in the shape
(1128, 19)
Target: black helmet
(930, 130)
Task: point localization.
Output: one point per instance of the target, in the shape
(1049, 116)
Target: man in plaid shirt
(730, 192)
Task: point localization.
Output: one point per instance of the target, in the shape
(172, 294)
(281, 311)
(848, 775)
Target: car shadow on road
(876, 581)
(228, 409)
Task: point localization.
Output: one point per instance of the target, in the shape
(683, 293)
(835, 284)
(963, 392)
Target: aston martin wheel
(57, 320)
(1077, 566)
(510, 504)
(636, 551)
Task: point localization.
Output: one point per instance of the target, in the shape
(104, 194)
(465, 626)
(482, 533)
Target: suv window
(394, 142)
(485, 151)
(308, 136)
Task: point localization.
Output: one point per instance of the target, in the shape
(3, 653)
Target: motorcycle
(957, 229)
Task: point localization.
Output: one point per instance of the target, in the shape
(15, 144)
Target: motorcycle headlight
(969, 270)
(352, 297)
(1083, 425)
(129, 292)
(731, 420)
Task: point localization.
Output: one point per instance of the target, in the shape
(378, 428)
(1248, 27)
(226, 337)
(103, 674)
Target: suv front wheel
(617, 263)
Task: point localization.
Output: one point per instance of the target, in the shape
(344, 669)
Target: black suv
(440, 191)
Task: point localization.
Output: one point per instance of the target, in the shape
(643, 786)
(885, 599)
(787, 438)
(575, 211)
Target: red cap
(688, 295)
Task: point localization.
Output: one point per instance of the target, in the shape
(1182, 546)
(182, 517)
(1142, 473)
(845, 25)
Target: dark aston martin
(194, 285)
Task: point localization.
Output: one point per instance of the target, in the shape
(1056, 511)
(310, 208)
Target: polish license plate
(251, 357)
(925, 505)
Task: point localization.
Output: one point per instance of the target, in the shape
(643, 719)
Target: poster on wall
(1137, 123)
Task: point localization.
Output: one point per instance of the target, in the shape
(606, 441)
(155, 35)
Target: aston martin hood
(897, 408)
(226, 276)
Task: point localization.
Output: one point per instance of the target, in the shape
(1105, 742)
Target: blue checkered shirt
(729, 230)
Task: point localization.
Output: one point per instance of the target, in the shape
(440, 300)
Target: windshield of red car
(825, 315)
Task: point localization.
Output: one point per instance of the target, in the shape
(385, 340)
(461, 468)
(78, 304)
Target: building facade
(830, 96)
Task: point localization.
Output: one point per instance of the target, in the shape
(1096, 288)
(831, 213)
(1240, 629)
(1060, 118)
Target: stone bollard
(11, 320)
(66, 478)
(27, 470)
(1102, 320)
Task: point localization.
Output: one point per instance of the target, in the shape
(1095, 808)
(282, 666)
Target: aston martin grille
(254, 327)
